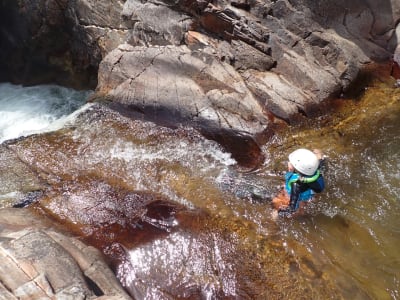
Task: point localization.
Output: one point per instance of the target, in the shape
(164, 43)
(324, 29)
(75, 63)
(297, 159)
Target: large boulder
(290, 57)
(186, 85)
(315, 48)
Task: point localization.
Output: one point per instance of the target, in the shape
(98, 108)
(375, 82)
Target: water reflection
(353, 228)
(148, 268)
(177, 218)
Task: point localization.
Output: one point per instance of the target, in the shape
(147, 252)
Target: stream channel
(177, 217)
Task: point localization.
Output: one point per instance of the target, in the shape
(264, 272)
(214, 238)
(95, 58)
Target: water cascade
(28, 110)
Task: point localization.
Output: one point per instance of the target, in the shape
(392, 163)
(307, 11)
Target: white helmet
(304, 161)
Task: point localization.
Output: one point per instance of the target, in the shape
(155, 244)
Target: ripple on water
(352, 228)
(118, 183)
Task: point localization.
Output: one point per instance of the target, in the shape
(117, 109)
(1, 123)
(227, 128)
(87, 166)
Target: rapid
(179, 218)
(35, 109)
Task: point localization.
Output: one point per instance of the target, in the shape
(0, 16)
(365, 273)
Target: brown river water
(178, 218)
(353, 229)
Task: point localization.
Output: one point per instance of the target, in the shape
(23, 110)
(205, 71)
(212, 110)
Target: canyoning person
(302, 180)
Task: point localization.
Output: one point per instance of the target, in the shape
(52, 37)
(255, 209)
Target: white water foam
(185, 153)
(29, 110)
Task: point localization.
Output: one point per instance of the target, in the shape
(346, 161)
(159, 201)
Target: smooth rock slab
(188, 86)
(37, 262)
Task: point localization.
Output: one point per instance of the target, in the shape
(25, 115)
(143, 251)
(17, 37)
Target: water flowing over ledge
(36, 109)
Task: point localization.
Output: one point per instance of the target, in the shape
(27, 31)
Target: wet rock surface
(18, 181)
(165, 226)
(38, 261)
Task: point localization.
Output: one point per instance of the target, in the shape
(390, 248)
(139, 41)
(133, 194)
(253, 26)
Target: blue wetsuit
(306, 195)
(302, 188)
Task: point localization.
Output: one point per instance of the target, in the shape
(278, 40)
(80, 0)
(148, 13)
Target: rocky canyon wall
(226, 64)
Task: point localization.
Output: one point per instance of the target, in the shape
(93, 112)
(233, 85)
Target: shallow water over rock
(170, 209)
(178, 218)
(352, 228)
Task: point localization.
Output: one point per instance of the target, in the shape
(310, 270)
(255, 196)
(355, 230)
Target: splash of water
(29, 110)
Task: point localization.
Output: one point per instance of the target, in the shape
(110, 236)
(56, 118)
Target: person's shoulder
(291, 175)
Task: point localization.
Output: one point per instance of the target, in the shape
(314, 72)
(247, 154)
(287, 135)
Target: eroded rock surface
(189, 87)
(291, 55)
(38, 261)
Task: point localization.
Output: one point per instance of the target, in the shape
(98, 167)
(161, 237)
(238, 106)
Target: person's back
(302, 180)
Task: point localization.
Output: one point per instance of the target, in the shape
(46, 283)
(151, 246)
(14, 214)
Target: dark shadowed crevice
(11, 37)
(93, 286)
(35, 48)
(29, 198)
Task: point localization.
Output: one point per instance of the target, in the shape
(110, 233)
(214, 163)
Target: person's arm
(294, 198)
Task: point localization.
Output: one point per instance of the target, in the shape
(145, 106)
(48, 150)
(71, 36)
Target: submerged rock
(18, 181)
(149, 198)
(159, 248)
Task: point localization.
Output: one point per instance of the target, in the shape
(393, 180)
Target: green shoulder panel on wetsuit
(311, 179)
(291, 181)
(305, 179)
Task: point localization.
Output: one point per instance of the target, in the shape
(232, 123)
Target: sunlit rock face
(302, 53)
(189, 87)
(291, 55)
